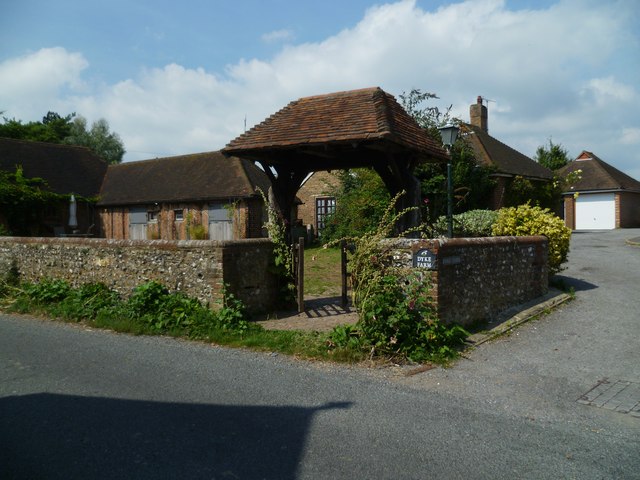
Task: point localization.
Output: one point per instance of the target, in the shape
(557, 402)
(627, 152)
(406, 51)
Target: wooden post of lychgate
(343, 271)
(300, 264)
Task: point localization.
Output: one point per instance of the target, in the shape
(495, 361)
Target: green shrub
(47, 291)
(396, 317)
(527, 220)
(86, 301)
(197, 232)
(10, 279)
(474, 223)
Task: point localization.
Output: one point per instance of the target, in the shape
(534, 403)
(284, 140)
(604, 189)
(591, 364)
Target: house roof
(598, 175)
(66, 168)
(325, 129)
(197, 177)
(492, 152)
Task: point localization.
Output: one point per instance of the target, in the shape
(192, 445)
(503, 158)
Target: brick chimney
(479, 115)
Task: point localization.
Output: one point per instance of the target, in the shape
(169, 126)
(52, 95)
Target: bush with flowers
(527, 220)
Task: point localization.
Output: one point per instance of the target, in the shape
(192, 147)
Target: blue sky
(180, 77)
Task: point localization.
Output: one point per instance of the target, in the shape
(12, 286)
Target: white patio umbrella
(73, 221)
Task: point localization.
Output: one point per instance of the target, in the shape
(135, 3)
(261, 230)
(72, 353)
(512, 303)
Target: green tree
(553, 157)
(361, 200)
(52, 129)
(472, 182)
(71, 130)
(99, 139)
(23, 201)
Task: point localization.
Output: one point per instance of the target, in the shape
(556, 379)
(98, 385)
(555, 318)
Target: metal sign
(424, 258)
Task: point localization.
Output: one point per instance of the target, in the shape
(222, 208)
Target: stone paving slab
(620, 396)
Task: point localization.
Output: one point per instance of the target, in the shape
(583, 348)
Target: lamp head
(449, 134)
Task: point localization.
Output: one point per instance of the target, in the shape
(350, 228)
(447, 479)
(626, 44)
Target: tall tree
(553, 157)
(52, 129)
(70, 129)
(99, 139)
(472, 182)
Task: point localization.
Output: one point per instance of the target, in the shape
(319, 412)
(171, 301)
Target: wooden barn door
(137, 223)
(220, 225)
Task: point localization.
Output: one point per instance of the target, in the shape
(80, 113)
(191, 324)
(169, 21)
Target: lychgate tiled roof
(598, 175)
(352, 118)
(66, 168)
(506, 160)
(197, 177)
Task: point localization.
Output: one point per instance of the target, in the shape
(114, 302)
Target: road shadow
(576, 284)
(71, 437)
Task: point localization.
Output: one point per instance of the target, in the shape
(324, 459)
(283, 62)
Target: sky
(174, 78)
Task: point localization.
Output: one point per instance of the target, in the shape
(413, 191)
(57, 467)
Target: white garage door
(595, 211)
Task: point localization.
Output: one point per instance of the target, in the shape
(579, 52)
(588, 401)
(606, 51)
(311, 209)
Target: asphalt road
(77, 403)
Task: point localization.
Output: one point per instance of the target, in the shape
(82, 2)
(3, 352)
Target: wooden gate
(298, 272)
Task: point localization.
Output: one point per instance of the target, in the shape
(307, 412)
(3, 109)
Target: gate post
(300, 271)
(343, 271)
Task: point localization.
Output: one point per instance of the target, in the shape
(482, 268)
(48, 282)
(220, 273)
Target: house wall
(629, 205)
(320, 184)
(499, 193)
(475, 279)
(197, 268)
(247, 216)
(569, 212)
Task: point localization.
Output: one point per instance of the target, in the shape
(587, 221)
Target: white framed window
(325, 207)
(178, 215)
(153, 216)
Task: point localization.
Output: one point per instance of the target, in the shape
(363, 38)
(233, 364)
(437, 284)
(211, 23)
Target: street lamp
(449, 133)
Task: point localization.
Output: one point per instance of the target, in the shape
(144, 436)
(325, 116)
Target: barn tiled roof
(506, 160)
(598, 175)
(362, 117)
(196, 177)
(66, 168)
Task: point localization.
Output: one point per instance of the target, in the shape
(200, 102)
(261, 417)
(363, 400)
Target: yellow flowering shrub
(527, 220)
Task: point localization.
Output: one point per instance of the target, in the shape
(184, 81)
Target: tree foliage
(553, 157)
(52, 129)
(70, 130)
(361, 200)
(98, 138)
(23, 201)
(472, 183)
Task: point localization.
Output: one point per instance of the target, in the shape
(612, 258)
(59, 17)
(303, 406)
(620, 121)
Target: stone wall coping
(158, 244)
(465, 241)
(455, 242)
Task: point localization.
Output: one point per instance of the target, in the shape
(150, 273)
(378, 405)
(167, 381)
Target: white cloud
(607, 89)
(33, 84)
(552, 72)
(277, 36)
(630, 136)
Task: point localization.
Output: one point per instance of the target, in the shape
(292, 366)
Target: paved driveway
(78, 403)
(543, 368)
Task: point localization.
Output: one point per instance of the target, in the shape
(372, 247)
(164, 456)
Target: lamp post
(449, 133)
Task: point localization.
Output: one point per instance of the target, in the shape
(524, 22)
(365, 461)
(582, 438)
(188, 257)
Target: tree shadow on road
(61, 436)
(576, 284)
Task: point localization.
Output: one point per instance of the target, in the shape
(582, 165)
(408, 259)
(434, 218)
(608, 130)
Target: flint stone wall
(197, 268)
(475, 279)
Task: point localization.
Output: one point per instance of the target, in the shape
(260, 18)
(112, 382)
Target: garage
(596, 211)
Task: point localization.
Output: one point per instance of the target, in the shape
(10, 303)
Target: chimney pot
(479, 115)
